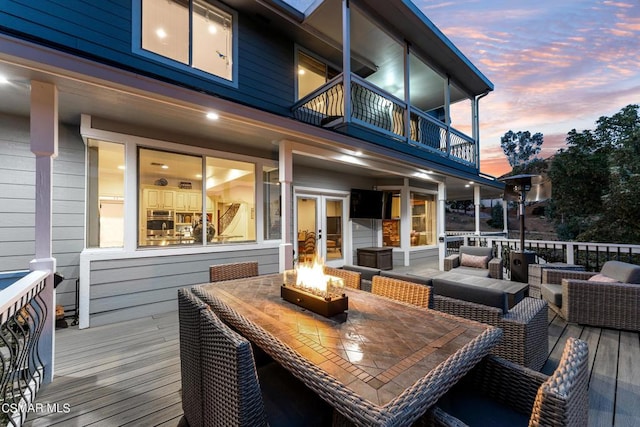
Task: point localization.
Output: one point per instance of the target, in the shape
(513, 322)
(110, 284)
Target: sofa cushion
(552, 293)
(472, 271)
(477, 250)
(602, 278)
(622, 271)
(476, 261)
(407, 277)
(471, 293)
(366, 273)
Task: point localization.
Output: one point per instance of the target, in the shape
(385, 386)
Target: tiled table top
(378, 350)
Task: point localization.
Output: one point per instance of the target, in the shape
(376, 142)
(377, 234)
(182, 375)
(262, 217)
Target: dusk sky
(556, 64)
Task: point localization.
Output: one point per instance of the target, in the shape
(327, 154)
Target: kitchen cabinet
(189, 201)
(154, 198)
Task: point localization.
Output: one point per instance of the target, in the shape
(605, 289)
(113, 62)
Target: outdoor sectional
(525, 325)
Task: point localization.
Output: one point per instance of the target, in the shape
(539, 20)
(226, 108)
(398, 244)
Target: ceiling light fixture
(164, 167)
(161, 33)
(4, 80)
(198, 175)
(121, 167)
(301, 71)
(212, 116)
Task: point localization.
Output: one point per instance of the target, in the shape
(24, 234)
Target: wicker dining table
(382, 363)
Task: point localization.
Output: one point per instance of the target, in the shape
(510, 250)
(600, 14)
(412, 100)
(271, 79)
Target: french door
(320, 226)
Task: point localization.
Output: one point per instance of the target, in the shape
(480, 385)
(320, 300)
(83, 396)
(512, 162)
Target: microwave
(159, 214)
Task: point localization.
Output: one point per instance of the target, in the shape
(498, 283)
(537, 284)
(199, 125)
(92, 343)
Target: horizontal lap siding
(17, 202)
(102, 31)
(123, 289)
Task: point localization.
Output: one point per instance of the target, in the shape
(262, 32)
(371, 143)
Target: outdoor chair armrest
(612, 305)
(555, 276)
(452, 261)
(436, 417)
(495, 268)
(468, 310)
(526, 333)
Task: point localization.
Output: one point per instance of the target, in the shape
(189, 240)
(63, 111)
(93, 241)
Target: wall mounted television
(366, 204)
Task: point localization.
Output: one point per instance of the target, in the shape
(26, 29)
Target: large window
(193, 32)
(423, 219)
(391, 223)
(312, 73)
(271, 203)
(188, 199)
(105, 195)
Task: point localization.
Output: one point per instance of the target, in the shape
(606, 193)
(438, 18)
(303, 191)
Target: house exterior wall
(17, 202)
(103, 31)
(138, 286)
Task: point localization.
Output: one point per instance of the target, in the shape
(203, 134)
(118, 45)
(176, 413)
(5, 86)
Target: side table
(535, 275)
(381, 258)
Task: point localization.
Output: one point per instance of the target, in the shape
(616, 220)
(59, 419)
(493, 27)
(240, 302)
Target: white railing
(23, 314)
(589, 254)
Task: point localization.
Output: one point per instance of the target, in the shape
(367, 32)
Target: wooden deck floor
(129, 374)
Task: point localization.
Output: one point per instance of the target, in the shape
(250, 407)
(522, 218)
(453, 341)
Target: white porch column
(441, 223)
(476, 204)
(44, 144)
(505, 219)
(285, 166)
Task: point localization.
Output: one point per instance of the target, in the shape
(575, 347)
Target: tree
(521, 147)
(497, 216)
(596, 181)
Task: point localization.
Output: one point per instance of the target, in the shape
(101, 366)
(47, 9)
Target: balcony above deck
(384, 119)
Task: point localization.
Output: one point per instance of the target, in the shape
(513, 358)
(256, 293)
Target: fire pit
(308, 287)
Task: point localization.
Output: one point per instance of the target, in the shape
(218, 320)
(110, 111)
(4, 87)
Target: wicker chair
(351, 278)
(221, 385)
(498, 392)
(401, 290)
(493, 267)
(238, 270)
(525, 326)
(580, 297)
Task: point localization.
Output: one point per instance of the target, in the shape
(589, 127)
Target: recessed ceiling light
(198, 176)
(121, 167)
(164, 167)
(4, 80)
(358, 153)
(466, 186)
(471, 182)
(212, 116)
(161, 33)
(212, 29)
(300, 71)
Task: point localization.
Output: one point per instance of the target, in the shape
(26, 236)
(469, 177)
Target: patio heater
(518, 186)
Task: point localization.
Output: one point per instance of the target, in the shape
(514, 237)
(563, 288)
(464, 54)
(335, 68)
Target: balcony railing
(591, 255)
(23, 313)
(373, 108)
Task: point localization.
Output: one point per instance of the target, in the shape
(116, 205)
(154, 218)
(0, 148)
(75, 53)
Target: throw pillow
(602, 278)
(476, 261)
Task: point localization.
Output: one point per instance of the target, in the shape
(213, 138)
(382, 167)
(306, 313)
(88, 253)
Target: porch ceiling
(145, 107)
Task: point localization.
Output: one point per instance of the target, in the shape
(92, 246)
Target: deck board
(129, 373)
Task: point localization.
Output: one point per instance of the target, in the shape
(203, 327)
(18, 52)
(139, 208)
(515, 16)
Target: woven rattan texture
(232, 271)
(525, 327)
(401, 290)
(320, 352)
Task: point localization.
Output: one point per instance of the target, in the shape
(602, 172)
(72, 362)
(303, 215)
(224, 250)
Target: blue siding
(102, 31)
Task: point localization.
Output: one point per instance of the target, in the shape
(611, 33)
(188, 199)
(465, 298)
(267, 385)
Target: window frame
(299, 49)
(136, 43)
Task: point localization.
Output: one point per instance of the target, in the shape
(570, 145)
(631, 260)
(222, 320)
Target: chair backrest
(477, 251)
(351, 278)
(230, 389)
(189, 308)
(400, 290)
(563, 399)
(238, 270)
(622, 271)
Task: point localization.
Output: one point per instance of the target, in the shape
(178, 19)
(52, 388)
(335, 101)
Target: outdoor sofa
(475, 260)
(609, 299)
(525, 325)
